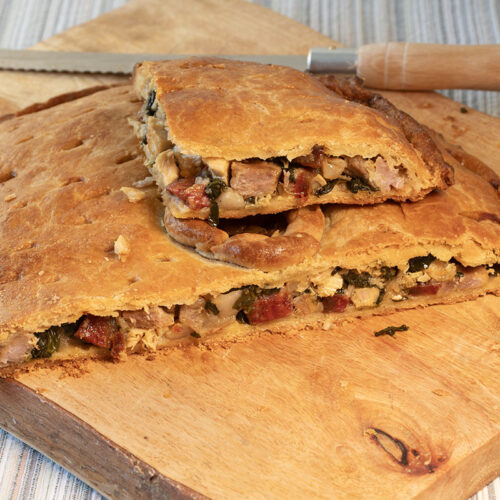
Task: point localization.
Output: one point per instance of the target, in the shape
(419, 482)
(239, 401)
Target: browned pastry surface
(300, 240)
(62, 213)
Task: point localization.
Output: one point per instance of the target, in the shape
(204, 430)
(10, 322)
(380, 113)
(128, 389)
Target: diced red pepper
(335, 303)
(426, 289)
(97, 330)
(190, 193)
(271, 307)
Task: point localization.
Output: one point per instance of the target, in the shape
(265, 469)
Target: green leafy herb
(247, 298)
(459, 274)
(195, 335)
(250, 199)
(291, 173)
(242, 317)
(380, 296)
(359, 280)
(388, 273)
(144, 140)
(359, 184)
(420, 263)
(48, 343)
(213, 216)
(326, 188)
(150, 102)
(391, 330)
(250, 294)
(463, 109)
(214, 188)
(211, 307)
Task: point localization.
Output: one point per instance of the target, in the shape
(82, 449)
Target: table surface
(25, 473)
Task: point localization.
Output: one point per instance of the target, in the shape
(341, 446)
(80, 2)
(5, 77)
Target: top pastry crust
(262, 118)
(73, 243)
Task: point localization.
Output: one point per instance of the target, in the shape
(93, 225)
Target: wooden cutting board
(327, 414)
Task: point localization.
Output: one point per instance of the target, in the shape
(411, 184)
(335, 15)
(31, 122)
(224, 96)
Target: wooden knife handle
(425, 66)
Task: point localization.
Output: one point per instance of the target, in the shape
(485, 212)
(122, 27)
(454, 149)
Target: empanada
(86, 269)
(228, 139)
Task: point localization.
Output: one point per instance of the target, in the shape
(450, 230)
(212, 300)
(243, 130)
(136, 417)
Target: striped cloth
(25, 474)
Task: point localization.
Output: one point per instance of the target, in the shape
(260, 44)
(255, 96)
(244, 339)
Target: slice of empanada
(86, 269)
(228, 139)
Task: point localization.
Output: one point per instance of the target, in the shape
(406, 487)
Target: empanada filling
(199, 184)
(336, 292)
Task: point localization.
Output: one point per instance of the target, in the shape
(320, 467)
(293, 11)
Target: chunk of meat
(315, 159)
(254, 179)
(378, 173)
(157, 318)
(189, 165)
(270, 307)
(196, 317)
(97, 330)
(190, 193)
(429, 289)
(17, 349)
(473, 278)
(157, 136)
(365, 297)
(335, 303)
(298, 182)
(385, 177)
(306, 304)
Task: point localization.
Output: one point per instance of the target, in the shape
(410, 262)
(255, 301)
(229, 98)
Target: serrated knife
(394, 65)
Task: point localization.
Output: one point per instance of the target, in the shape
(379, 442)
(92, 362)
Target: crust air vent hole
(7, 176)
(73, 180)
(163, 259)
(24, 139)
(133, 280)
(74, 143)
(126, 158)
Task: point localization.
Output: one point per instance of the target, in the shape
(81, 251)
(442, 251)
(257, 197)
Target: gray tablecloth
(25, 473)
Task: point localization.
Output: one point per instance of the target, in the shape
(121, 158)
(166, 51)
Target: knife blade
(116, 63)
(393, 65)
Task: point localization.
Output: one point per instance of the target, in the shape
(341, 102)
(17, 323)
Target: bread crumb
(134, 195)
(10, 197)
(146, 182)
(122, 248)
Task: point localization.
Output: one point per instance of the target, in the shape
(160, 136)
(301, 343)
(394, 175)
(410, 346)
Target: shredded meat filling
(255, 178)
(331, 292)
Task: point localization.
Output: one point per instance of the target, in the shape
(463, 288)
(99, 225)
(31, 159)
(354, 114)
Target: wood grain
(307, 415)
(294, 417)
(427, 66)
(61, 435)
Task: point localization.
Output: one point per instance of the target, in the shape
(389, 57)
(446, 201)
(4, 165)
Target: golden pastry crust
(289, 247)
(232, 110)
(62, 210)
